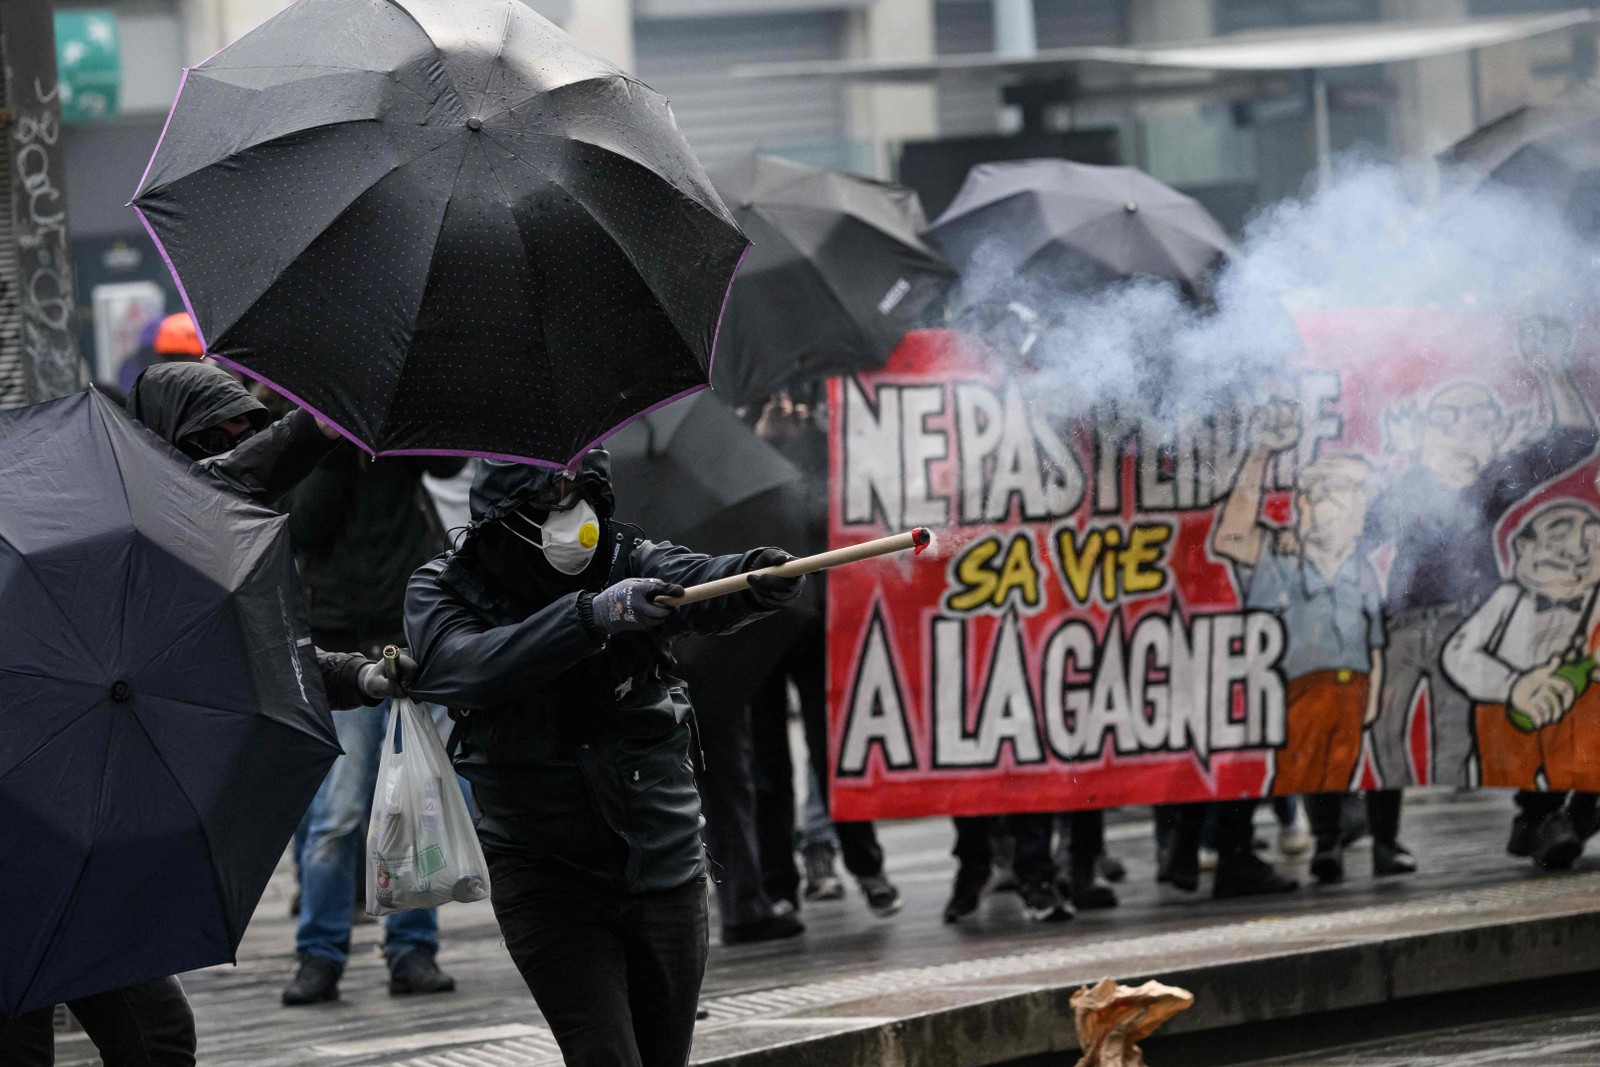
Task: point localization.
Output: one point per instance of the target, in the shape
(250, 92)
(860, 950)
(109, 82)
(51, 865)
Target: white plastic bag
(421, 848)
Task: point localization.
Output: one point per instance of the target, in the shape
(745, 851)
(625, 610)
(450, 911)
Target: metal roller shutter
(687, 60)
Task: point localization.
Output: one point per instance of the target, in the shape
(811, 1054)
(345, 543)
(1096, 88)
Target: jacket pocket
(663, 811)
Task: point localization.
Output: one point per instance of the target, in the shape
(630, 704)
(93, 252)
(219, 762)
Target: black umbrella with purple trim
(443, 226)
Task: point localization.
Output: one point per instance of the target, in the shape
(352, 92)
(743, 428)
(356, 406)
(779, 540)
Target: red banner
(1379, 568)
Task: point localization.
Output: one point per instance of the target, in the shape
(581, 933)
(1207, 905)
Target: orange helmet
(176, 336)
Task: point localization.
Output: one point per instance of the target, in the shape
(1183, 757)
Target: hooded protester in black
(577, 739)
(188, 405)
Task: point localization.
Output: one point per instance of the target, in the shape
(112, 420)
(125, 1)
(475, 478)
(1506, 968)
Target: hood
(178, 399)
(501, 487)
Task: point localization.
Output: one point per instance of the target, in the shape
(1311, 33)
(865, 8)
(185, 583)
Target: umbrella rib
(49, 594)
(205, 835)
(127, 577)
(77, 883)
(388, 408)
(42, 745)
(638, 269)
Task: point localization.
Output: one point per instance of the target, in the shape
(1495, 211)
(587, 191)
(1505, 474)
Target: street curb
(1273, 986)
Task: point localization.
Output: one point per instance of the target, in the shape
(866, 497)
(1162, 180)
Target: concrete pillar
(1015, 29)
(605, 27)
(1436, 101)
(1168, 126)
(883, 115)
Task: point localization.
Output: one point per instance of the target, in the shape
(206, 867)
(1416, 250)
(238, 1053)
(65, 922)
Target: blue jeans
(331, 846)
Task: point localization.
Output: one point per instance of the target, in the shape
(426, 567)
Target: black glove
(377, 683)
(630, 605)
(770, 590)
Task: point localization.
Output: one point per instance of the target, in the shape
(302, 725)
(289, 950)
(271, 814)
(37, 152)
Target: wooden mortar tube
(882, 546)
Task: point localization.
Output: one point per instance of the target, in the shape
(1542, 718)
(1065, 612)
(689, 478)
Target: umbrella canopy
(837, 274)
(442, 225)
(1075, 226)
(693, 473)
(1551, 153)
(162, 720)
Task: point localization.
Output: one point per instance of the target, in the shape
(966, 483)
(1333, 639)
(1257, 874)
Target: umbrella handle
(914, 540)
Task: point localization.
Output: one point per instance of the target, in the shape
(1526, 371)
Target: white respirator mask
(568, 537)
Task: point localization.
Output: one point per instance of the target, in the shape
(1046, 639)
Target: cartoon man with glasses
(1471, 462)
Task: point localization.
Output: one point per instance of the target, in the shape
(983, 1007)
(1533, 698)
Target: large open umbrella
(837, 274)
(1052, 224)
(162, 721)
(695, 474)
(441, 224)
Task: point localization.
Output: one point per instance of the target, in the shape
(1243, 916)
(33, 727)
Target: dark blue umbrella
(162, 721)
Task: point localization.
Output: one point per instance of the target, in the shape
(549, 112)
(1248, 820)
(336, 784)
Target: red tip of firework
(921, 537)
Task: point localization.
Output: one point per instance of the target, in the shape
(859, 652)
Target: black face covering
(212, 441)
(513, 566)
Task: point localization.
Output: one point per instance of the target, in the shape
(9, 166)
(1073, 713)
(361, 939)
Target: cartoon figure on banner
(1469, 463)
(1325, 594)
(1527, 654)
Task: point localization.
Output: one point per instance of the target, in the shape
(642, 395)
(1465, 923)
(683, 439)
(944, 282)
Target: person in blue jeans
(360, 527)
(330, 851)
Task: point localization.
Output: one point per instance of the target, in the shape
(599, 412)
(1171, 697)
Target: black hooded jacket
(577, 747)
(177, 400)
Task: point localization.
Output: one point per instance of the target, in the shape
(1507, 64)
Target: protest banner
(1378, 567)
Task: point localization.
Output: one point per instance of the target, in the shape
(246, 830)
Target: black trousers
(1179, 827)
(147, 1025)
(974, 848)
(616, 977)
(806, 665)
(1326, 813)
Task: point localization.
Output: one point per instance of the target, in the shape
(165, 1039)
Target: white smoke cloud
(1362, 241)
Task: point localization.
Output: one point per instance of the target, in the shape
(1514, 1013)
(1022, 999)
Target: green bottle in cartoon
(1577, 673)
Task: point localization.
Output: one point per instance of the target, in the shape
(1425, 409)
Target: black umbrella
(836, 275)
(442, 225)
(1061, 225)
(693, 473)
(162, 721)
(1550, 152)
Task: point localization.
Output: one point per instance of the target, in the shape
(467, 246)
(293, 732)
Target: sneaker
(882, 896)
(1559, 844)
(1327, 866)
(1042, 904)
(1110, 868)
(1090, 891)
(822, 881)
(1179, 872)
(416, 971)
(1208, 858)
(1250, 876)
(1295, 839)
(316, 982)
(1524, 837)
(1392, 858)
(965, 894)
(782, 923)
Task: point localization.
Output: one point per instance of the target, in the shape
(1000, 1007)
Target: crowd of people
(593, 726)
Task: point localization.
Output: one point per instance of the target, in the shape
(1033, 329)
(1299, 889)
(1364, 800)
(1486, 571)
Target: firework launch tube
(912, 540)
(391, 661)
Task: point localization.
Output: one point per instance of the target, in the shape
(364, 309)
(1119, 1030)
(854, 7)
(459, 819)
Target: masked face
(215, 440)
(567, 537)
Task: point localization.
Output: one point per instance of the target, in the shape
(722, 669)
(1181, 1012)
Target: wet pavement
(853, 982)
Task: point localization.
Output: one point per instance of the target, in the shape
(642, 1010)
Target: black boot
(1247, 875)
(1559, 844)
(1524, 836)
(965, 894)
(316, 982)
(415, 971)
(1090, 890)
(782, 923)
